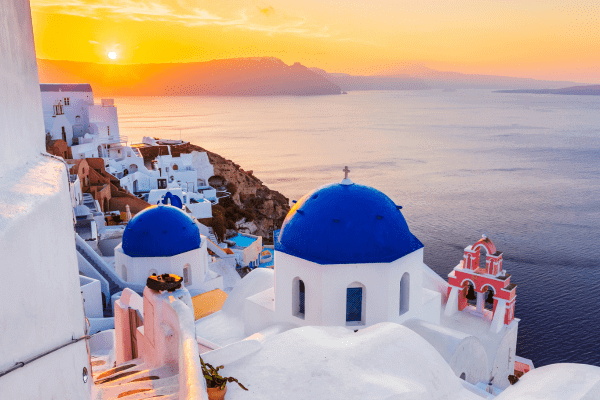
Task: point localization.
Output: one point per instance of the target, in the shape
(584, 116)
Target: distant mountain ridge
(352, 82)
(261, 76)
(415, 76)
(229, 77)
(590, 90)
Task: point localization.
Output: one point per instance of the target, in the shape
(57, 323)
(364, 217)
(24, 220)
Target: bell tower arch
(490, 283)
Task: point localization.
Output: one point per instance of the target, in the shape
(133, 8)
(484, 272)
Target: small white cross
(346, 170)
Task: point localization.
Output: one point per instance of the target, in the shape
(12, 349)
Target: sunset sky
(552, 39)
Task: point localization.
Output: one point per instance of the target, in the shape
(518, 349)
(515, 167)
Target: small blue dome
(346, 224)
(160, 231)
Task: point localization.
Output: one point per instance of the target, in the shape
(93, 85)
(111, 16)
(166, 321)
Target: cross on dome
(346, 180)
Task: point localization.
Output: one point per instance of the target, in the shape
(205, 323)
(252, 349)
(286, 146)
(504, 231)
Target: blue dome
(346, 224)
(160, 231)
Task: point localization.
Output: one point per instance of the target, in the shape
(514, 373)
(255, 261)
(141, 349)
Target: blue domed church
(164, 239)
(346, 256)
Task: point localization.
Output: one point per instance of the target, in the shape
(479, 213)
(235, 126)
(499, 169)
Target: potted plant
(215, 383)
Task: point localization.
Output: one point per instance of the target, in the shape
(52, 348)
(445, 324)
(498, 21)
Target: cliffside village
(158, 207)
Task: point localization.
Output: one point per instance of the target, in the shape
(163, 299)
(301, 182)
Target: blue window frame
(301, 297)
(353, 304)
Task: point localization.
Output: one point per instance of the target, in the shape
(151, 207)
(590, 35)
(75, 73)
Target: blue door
(353, 304)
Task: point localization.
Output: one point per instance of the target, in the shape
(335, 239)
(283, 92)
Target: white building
(190, 172)
(92, 130)
(42, 307)
(247, 249)
(346, 257)
(165, 240)
(195, 203)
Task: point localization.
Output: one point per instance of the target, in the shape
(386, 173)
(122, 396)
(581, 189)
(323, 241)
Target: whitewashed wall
(38, 261)
(139, 268)
(60, 122)
(21, 124)
(325, 291)
(78, 105)
(105, 118)
(92, 297)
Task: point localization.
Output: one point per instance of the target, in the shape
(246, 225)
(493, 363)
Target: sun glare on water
(112, 55)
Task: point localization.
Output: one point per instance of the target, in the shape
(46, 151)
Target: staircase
(115, 283)
(212, 236)
(112, 285)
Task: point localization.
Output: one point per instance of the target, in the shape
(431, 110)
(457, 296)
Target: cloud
(184, 12)
(137, 10)
(267, 10)
(92, 41)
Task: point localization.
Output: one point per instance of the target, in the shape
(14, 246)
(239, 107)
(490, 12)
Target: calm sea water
(523, 169)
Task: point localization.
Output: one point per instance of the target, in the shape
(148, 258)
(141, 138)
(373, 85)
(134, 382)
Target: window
(463, 376)
(404, 293)
(108, 130)
(124, 273)
(175, 167)
(67, 101)
(301, 297)
(162, 183)
(298, 298)
(187, 275)
(64, 134)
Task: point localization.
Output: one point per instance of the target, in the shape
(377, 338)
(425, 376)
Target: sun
(112, 55)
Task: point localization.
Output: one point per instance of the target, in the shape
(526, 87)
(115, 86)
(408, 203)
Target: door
(353, 304)
(135, 321)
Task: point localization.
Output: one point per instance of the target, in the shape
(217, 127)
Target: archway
(469, 293)
(133, 168)
(217, 181)
(489, 293)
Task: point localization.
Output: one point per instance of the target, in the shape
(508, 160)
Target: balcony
(114, 139)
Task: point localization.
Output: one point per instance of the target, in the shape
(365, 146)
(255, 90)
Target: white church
(345, 257)
(163, 239)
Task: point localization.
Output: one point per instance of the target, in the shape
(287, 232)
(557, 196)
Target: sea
(523, 169)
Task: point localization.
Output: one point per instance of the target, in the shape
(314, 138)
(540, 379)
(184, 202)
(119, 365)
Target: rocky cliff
(265, 208)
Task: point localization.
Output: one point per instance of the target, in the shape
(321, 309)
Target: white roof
(82, 211)
(384, 361)
(556, 382)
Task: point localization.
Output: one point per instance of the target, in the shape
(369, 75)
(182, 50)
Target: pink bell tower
(468, 277)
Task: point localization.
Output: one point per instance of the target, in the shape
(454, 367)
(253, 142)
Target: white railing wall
(192, 385)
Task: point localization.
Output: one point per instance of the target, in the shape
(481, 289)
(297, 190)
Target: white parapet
(498, 321)
(452, 305)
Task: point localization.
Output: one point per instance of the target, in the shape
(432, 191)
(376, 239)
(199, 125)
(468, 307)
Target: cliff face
(268, 206)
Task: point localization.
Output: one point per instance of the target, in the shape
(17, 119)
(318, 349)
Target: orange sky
(528, 38)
